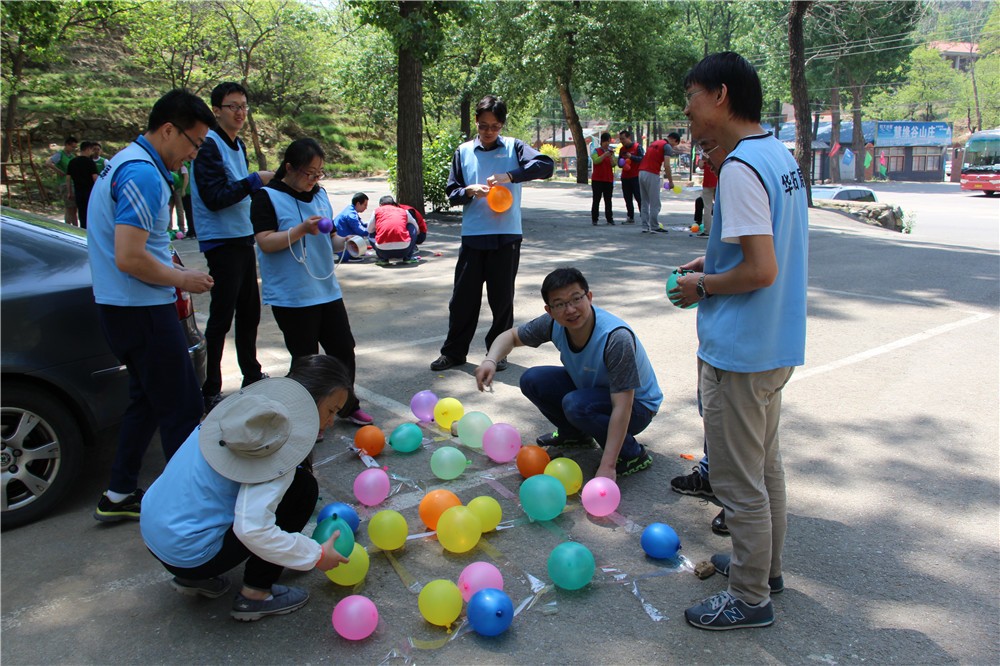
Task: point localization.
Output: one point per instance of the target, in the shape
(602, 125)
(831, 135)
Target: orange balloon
(370, 439)
(434, 504)
(695, 228)
(531, 460)
(499, 199)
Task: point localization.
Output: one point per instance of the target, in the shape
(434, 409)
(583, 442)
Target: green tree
(930, 81)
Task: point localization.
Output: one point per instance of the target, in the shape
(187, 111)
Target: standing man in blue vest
(221, 185)
(751, 290)
(134, 286)
(491, 241)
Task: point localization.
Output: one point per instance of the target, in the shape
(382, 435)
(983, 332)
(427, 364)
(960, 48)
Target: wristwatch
(700, 287)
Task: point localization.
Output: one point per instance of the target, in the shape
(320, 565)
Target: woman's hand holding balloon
(331, 558)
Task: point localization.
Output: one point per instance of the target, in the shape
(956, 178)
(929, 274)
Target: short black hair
(605, 136)
(675, 136)
(181, 109)
(69, 140)
(625, 133)
(360, 197)
(494, 105)
(321, 375)
(562, 277)
(220, 91)
(387, 200)
(299, 153)
(746, 98)
(86, 145)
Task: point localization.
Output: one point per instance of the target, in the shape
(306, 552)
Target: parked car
(61, 385)
(844, 193)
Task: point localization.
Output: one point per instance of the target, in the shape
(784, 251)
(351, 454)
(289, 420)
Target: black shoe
(283, 600)
(719, 524)
(247, 382)
(626, 466)
(211, 401)
(553, 439)
(502, 364)
(629, 220)
(444, 362)
(660, 229)
(594, 222)
(721, 563)
(611, 223)
(692, 484)
(113, 512)
(210, 588)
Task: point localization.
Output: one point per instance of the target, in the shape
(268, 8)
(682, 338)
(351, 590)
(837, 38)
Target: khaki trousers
(741, 412)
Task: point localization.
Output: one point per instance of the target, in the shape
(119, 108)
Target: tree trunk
(835, 134)
(576, 129)
(409, 129)
(800, 92)
(858, 137)
(465, 113)
(10, 114)
(975, 97)
(255, 138)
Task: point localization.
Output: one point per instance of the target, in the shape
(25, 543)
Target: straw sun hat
(262, 432)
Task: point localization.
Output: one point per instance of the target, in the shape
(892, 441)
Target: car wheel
(42, 448)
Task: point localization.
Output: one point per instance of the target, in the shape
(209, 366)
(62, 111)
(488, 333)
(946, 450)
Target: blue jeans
(400, 253)
(578, 412)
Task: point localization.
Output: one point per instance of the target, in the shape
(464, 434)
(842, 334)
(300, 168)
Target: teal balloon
(406, 438)
(325, 529)
(571, 565)
(672, 284)
(543, 497)
(471, 428)
(448, 463)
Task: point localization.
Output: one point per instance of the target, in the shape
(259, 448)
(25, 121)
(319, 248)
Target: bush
(436, 165)
(551, 151)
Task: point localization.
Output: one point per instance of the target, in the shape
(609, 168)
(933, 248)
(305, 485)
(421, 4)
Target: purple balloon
(422, 405)
(621, 161)
(325, 225)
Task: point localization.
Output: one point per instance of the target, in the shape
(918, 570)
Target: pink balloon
(479, 576)
(371, 486)
(355, 617)
(422, 404)
(600, 496)
(501, 442)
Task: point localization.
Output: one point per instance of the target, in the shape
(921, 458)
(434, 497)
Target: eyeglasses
(487, 127)
(197, 146)
(236, 108)
(689, 95)
(313, 175)
(575, 301)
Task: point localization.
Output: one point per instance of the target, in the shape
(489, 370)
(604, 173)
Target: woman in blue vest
(296, 263)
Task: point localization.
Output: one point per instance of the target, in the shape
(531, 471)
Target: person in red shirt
(709, 180)
(630, 155)
(657, 156)
(393, 232)
(602, 179)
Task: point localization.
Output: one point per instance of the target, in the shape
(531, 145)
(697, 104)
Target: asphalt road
(889, 435)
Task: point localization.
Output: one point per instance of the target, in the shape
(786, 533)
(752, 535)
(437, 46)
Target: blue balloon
(490, 612)
(340, 510)
(660, 541)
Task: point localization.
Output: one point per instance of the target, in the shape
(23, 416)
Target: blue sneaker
(721, 563)
(283, 600)
(724, 612)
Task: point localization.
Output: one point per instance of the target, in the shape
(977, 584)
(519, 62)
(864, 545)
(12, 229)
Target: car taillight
(185, 306)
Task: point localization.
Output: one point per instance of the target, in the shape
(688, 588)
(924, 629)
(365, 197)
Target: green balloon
(406, 438)
(571, 565)
(448, 462)
(471, 429)
(543, 497)
(344, 543)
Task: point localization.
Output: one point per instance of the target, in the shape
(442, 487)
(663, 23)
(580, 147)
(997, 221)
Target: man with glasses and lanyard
(134, 286)
(491, 241)
(605, 389)
(221, 185)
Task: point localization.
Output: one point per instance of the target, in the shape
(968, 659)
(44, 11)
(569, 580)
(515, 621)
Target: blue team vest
(111, 285)
(286, 282)
(766, 328)
(232, 221)
(587, 369)
(478, 219)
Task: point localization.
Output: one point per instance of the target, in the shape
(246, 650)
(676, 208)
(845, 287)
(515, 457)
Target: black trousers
(188, 215)
(497, 270)
(234, 294)
(305, 329)
(602, 190)
(163, 387)
(291, 515)
(630, 190)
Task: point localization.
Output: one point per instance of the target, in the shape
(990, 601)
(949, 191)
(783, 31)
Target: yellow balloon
(568, 473)
(440, 602)
(387, 529)
(488, 511)
(459, 529)
(447, 411)
(353, 572)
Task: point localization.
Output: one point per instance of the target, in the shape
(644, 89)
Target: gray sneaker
(721, 563)
(283, 600)
(210, 588)
(724, 611)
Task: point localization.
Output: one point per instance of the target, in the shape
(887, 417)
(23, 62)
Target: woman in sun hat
(240, 489)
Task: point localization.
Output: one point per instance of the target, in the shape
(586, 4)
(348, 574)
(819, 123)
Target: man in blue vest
(751, 289)
(221, 185)
(491, 240)
(605, 389)
(134, 286)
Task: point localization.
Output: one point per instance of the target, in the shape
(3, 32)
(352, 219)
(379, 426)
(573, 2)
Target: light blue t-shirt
(302, 275)
(763, 329)
(134, 189)
(478, 219)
